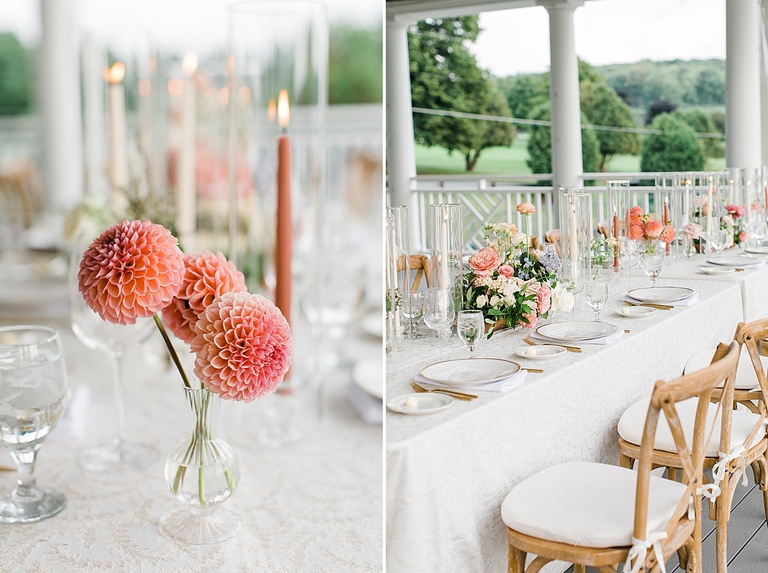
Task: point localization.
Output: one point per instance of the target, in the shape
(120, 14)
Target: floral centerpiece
(650, 232)
(511, 284)
(241, 341)
(733, 222)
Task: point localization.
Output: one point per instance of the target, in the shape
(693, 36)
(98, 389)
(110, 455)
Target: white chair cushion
(632, 422)
(586, 504)
(746, 379)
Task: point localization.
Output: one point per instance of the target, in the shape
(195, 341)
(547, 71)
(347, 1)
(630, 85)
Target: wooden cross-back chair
(553, 236)
(739, 440)
(423, 267)
(600, 515)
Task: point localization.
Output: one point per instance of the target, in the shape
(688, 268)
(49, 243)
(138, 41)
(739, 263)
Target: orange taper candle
(666, 220)
(283, 245)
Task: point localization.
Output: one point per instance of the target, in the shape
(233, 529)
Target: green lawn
(437, 161)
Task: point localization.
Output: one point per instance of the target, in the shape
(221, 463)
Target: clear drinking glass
(651, 263)
(717, 239)
(439, 312)
(33, 394)
(113, 339)
(413, 310)
(470, 326)
(628, 257)
(597, 295)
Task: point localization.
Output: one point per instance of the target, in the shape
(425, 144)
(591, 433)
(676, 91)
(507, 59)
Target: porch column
(764, 79)
(59, 96)
(567, 168)
(742, 84)
(401, 150)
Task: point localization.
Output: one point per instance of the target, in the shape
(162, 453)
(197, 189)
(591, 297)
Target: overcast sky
(607, 32)
(178, 23)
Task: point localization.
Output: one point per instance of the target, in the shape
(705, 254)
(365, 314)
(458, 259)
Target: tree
(15, 76)
(540, 145)
(524, 93)
(602, 106)
(445, 76)
(700, 122)
(674, 149)
(355, 65)
(658, 107)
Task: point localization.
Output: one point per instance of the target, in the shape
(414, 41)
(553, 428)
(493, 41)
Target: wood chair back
(665, 397)
(752, 335)
(423, 267)
(553, 236)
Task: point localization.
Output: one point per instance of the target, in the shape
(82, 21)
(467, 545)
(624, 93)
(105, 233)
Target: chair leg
(723, 510)
(579, 568)
(694, 543)
(516, 562)
(760, 469)
(625, 461)
(682, 557)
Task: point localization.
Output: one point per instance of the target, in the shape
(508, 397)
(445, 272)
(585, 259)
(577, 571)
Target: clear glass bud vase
(202, 471)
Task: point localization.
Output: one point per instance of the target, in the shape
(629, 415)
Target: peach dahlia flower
(243, 346)
(131, 271)
(206, 276)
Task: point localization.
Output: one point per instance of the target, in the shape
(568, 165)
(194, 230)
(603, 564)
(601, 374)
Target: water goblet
(439, 312)
(651, 262)
(597, 295)
(628, 258)
(717, 239)
(413, 310)
(33, 394)
(757, 231)
(470, 326)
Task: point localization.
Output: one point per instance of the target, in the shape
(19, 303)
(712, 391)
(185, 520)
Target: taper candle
(283, 245)
(186, 206)
(118, 138)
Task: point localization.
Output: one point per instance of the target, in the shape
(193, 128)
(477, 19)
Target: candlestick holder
(618, 214)
(283, 235)
(575, 237)
(397, 276)
(446, 249)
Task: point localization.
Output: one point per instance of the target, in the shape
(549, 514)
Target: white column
(564, 95)
(59, 96)
(742, 84)
(401, 149)
(764, 79)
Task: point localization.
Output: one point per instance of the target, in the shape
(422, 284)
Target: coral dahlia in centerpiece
(508, 282)
(643, 228)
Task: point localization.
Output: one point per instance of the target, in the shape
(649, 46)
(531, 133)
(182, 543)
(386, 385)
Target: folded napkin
(690, 301)
(369, 408)
(602, 340)
(503, 385)
(751, 262)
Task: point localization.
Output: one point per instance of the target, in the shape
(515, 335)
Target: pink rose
(526, 208)
(485, 261)
(742, 236)
(636, 232)
(653, 229)
(735, 211)
(507, 271)
(543, 298)
(637, 211)
(667, 234)
(692, 230)
(532, 318)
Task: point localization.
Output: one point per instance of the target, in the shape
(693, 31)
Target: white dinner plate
(369, 375)
(758, 249)
(714, 270)
(575, 331)
(636, 311)
(661, 295)
(419, 404)
(541, 352)
(470, 371)
(744, 259)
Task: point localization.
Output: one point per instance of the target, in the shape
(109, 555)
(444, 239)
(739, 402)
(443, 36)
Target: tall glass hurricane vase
(446, 249)
(397, 272)
(202, 471)
(575, 237)
(121, 453)
(33, 394)
(618, 212)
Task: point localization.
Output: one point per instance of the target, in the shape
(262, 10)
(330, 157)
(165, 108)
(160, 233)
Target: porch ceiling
(414, 10)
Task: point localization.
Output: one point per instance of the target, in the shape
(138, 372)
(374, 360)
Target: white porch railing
(494, 198)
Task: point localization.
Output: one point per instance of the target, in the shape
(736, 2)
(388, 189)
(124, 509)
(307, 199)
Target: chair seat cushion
(746, 379)
(632, 422)
(586, 504)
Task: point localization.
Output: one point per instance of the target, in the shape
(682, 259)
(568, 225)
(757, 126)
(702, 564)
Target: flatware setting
(530, 342)
(452, 393)
(652, 305)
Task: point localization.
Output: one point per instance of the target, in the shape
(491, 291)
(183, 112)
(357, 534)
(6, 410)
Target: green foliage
(675, 149)
(602, 106)
(523, 93)
(355, 65)
(445, 76)
(658, 107)
(540, 145)
(15, 76)
(702, 123)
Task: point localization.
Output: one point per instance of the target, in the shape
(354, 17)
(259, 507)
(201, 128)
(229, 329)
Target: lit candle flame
(116, 73)
(189, 63)
(283, 114)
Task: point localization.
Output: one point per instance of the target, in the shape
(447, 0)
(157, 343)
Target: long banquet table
(448, 472)
(307, 507)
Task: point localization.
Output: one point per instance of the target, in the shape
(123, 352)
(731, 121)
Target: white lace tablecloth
(448, 472)
(314, 506)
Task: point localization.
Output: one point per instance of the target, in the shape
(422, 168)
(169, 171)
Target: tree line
(445, 76)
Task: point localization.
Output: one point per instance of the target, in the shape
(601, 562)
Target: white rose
(495, 299)
(562, 299)
(509, 290)
(481, 301)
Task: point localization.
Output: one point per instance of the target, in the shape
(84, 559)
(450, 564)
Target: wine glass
(439, 312)
(628, 257)
(113, 339)
(33, 394)
(597, 295)
(573, 275)
(413, 309)
(651, 261)
(757, 231)
(470, 326)
(717, 239)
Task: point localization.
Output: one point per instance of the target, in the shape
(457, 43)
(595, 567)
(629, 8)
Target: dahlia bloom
(243, 346)
(653, 229)
(206, 276)
(667, 234)
(131, 271)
